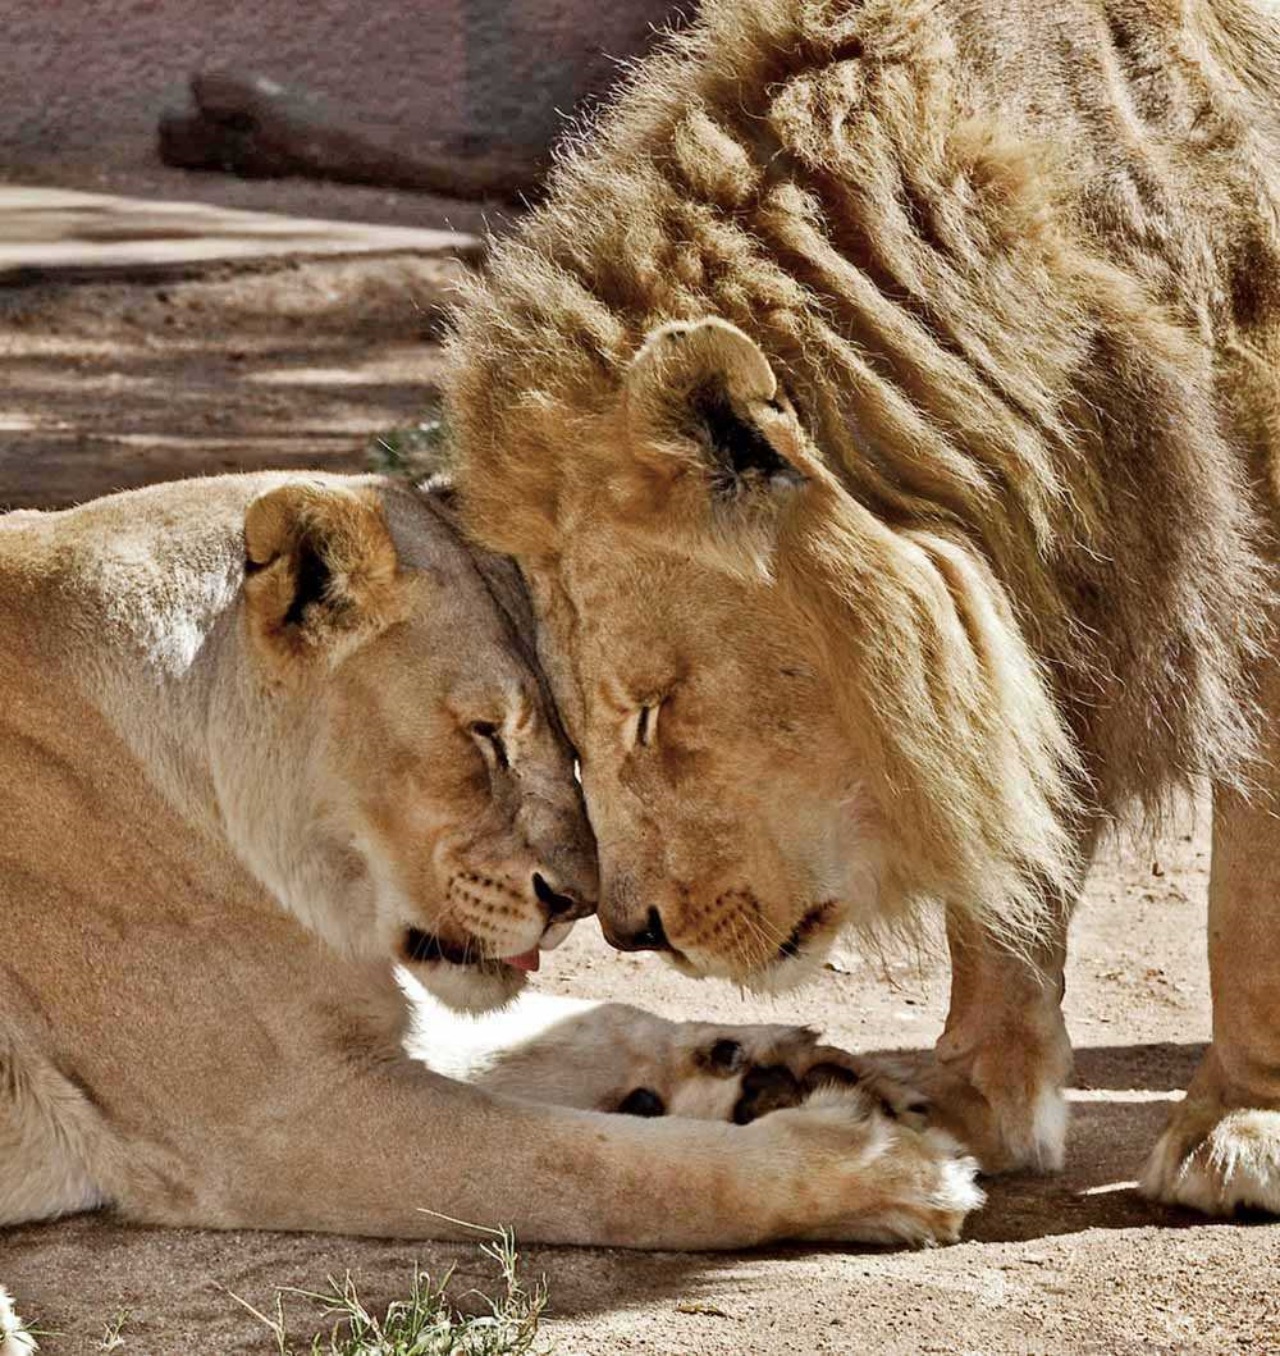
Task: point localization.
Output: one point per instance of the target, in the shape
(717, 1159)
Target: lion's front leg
(1004, 1055)
(1221, 1149)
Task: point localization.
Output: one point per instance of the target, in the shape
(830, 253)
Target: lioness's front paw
(1217, 1160)
(899, 1099)
(862, 1176)
(742, 1073)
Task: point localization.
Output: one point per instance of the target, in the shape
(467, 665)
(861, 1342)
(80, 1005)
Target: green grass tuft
(428, 1322)
(415, 452)
(112, 1340)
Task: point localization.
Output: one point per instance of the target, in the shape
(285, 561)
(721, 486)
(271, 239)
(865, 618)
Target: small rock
(701, 1307)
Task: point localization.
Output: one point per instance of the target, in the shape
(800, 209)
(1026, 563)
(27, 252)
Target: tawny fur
(268, 740)
(1015, 300)
(997, 288)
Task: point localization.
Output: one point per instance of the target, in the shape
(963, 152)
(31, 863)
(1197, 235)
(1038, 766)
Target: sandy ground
(113, 384)
(137, 171)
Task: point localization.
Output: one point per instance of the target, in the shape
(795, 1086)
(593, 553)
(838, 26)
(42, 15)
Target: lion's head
(789, 715)
(880, 524)
(403, 784)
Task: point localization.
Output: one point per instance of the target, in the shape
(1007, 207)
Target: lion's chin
(776, 976)
(795, 962)
(470, 988)
(788, 972)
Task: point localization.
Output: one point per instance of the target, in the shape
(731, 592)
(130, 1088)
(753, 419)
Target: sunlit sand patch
(1127, 1095)
(1107, 1189)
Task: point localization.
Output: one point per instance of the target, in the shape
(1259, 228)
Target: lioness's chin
(479, 987)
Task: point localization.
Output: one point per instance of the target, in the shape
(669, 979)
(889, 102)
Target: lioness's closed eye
(267, 741)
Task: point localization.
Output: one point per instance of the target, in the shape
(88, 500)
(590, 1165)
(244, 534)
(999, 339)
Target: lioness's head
(789, 712)
(388, 762)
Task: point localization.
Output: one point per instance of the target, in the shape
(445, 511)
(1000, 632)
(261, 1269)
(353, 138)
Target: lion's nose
(651, 937)
(562, 906)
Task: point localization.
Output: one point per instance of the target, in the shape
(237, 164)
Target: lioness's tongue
(527, 960)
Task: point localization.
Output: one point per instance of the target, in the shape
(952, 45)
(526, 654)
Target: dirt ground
(112, 384)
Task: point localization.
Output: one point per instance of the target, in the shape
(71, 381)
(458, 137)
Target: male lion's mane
(1045, 344)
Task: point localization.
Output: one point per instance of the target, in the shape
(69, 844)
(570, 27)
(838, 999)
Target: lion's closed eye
(642, 726)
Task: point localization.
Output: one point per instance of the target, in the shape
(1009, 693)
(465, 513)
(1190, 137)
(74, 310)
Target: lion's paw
(1009, 1130)
(868, 1177)
(1217, 1161)
(1005, 1106)
(742, 1073)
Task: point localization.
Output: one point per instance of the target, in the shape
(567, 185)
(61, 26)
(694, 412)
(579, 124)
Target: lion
(882, 409)
(276, 753)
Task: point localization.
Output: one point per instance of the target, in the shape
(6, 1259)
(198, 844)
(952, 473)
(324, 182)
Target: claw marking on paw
(827, 1073)
(642, 1102)
(766, 1088)
(725, 1058)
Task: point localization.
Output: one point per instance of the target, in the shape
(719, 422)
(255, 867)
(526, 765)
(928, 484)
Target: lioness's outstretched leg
(399, 1151)
(1221, 1148)
(1004, 1054)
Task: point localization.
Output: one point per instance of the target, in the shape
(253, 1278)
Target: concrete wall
(86, 79)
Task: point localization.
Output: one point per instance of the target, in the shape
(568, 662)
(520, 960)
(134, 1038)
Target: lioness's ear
(710, 383)
(321, 573)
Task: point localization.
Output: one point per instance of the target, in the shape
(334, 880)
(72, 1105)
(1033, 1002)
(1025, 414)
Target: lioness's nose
(562, 905)
(652, 936)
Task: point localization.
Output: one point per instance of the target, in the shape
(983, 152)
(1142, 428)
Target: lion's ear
(708, 384)
(321, 572)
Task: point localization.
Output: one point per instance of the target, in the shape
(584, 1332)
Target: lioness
(883, 409)
(264, 737)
